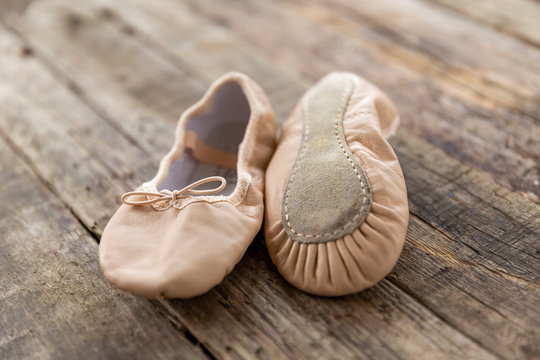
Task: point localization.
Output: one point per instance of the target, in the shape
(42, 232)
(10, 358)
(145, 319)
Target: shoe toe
(173, 253)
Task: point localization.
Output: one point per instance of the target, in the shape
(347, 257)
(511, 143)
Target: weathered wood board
(89, 97)
(518, 18)
(481, 109)
(54, 301)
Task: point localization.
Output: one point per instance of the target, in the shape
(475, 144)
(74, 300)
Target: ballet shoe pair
(330, 191)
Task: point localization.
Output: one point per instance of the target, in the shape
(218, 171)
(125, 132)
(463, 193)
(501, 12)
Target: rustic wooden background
(89, 96)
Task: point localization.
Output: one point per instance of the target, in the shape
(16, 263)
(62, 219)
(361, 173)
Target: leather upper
(361, 258)
(184, 250)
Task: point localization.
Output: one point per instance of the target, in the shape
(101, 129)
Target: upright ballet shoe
(179, 234)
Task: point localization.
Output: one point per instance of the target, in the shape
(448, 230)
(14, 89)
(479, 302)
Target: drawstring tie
(167, 195)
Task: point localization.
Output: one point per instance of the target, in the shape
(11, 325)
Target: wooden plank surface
(54, 301)
(110, 78)
(517, 17)
(226, 330)
(479, 110)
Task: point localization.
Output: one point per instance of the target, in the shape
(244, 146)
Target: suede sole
(328, 194)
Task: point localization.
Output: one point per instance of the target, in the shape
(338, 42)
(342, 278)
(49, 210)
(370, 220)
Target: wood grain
(224, 335)
(518, 18)
(452, 99)
(54, 302)
(467, 283)
(152, 100)
(8, 7)
(481, 266)
(32, 119)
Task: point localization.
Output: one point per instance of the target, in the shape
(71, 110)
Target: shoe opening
(211, 141)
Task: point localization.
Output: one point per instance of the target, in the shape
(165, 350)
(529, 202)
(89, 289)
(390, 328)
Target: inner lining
(212, 141)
